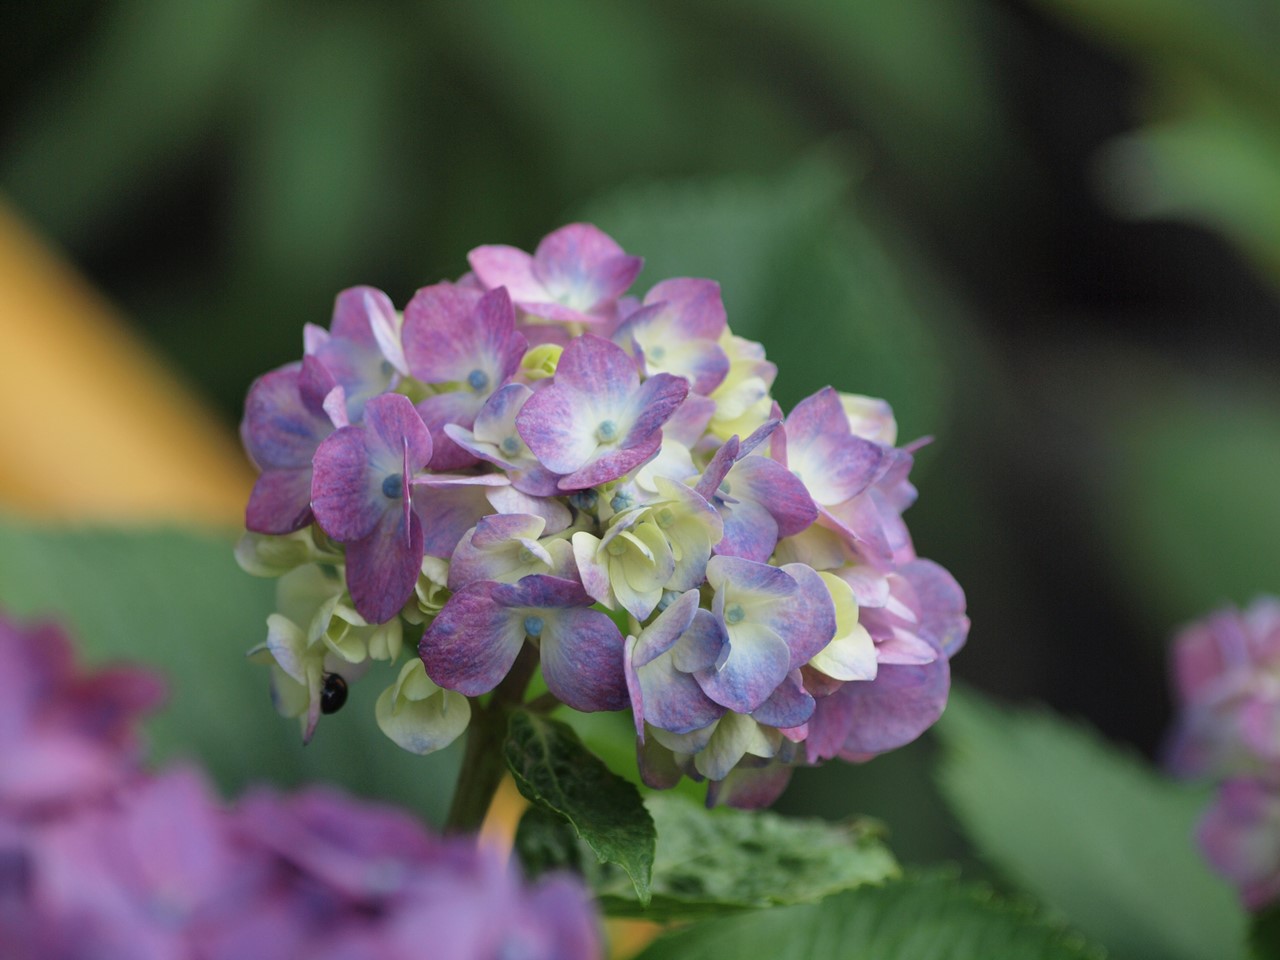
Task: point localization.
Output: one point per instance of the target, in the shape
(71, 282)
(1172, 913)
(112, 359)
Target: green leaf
(1088, 830)
(545, 841)
(176, 601)
(554, 770)
(710, 862)
(930, 918)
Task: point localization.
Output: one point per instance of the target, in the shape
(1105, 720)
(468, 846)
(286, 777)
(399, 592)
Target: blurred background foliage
(1047, 231)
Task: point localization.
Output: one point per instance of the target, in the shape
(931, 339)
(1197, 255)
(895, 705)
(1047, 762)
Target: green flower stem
(483, 764)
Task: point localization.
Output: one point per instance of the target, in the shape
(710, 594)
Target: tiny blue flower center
(621, 500)
(657, 353)
(477, 380)
(608, 430)
(511, 446)
(734, 613)
(616, 547)
(533, 626)
(584, 499)
(664, 517)
(527, 556)
(393, 486)
(387, 368)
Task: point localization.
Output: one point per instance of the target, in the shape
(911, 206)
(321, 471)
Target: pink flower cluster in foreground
(1226, 671)
(530, 459)
(100, 859)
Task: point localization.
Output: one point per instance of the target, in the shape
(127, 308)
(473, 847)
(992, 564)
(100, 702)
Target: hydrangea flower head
(1226, 677)
(558, 476)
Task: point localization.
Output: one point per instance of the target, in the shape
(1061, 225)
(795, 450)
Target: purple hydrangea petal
(689, 422)
(280, 502)
(654, 403)
(449, 506)
(725, 573)
(438, 412)
(483, 344)
(771, 485)
(354, 310)
(560, 428)
(750, 532)
(436, 341)
(1240, 837)
(582, 654)
(788, 706)
(656, 763)
(582, 266)
(807, 618)
(383, 567)
(398, 430)
(612, 465)
(833, 464)
(758, 661)
(540, 590)
(750, 788)
(701, 645)
(498, 265)
(599, 369)
(279, 429)
(673, 700)
(893, 709)
(697, 302)
(666, 629)
(514, 499)
(473, 642)
(346, 495)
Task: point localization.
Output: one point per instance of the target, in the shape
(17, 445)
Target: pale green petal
(684, 743)
(262, 555)
(386, 641)
(421, 724)
(851, 655)
(735, 736)
(301, 592)
(289, 647)
(816, 546)
(346, 642)
(290, 697)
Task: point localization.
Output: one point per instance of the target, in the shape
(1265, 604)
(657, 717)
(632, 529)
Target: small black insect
(333, 694)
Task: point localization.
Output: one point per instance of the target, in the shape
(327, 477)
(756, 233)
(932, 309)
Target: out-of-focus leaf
(800, 273)
(724, 861)
(318, 148)
(1189, 496)
(146, 89)
(929, 918)
(545, 842)
(1233, 41)
(916, 74)
(176, 601)
(1215, 161)
(1089, 831)
(555, 771)
(745, 233)
(595, 79)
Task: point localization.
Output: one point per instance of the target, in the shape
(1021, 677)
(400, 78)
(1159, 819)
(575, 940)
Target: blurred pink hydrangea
(99, 859)
(1226, 675)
